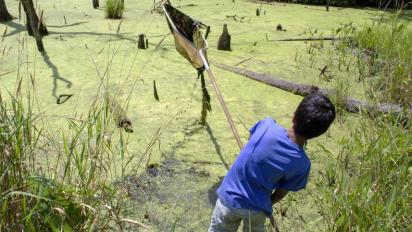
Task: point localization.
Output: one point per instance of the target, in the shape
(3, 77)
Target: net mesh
(187, 34)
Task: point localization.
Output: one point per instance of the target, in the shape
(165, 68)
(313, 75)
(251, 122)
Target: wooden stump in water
(119, 114)
(141, 42)
(155, 94)
(280, 28)
(95, 4)
(224, 40)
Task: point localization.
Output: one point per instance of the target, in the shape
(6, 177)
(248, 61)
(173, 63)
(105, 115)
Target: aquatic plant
(386, 53)
(114, 9)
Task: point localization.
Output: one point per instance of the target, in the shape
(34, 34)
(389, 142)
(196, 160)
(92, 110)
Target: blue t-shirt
(270, 160)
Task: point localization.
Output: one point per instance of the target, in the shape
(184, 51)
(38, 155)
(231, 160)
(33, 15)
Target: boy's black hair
(313, 116)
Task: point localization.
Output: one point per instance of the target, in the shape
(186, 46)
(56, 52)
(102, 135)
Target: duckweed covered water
(188, 160)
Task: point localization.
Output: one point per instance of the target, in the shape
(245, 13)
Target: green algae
(83, 46)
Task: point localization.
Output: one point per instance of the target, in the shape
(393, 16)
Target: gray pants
(227, 219)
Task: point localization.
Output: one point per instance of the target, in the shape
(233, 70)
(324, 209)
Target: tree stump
(257, 12)
(95, 4)
(280, 28)
(155, 94)
(4, 13)
(141, 42)
(224, 40)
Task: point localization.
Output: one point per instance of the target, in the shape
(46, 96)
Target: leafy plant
(114, 9)
(374, 193)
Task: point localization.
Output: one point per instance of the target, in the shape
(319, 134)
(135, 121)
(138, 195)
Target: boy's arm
(278, 195)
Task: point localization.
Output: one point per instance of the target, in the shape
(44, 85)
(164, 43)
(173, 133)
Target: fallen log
(119, 114)
(351, 105)
(309, 38)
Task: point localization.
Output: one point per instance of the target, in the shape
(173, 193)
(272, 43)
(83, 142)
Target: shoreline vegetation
(84, 172)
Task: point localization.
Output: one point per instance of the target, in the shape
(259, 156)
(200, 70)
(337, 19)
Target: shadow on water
(217, 146)
(120, 36)
(16, 26)
(20, 28)
(170, 187)
(211, 192)
(56, 76)
(188, 131)
(67, 25)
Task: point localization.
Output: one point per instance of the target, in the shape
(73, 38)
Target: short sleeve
(295, 183)
(253, 128)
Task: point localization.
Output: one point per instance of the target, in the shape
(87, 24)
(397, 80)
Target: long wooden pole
(222, 101)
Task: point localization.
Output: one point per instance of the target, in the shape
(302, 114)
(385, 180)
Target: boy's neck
(299, 140)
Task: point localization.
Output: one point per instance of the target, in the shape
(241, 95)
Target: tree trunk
(351, 105)
(42, 29)
(327, 5)
(33, 23)
(4, 13)
(95, 4)
(224, 40)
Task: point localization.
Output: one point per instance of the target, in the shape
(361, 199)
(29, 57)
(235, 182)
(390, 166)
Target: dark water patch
(211, 192)
(174, 194)
(217, 146)
(162, 182)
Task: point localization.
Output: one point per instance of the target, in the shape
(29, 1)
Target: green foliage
(385, 51)
(114, 9)
(68, 198)
(383, 57)
(375, 3)
(18, 136)
(372, 183)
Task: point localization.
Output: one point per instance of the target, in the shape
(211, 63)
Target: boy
(270, 165)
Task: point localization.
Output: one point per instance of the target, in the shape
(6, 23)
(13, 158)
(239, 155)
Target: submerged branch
(309, 38)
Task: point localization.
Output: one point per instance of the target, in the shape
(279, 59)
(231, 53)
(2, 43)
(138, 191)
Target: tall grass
(72, 192)
(368, 188)
(36, 200)
(384, 59)
(69, 190)
(114, 9)
(386, 50)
